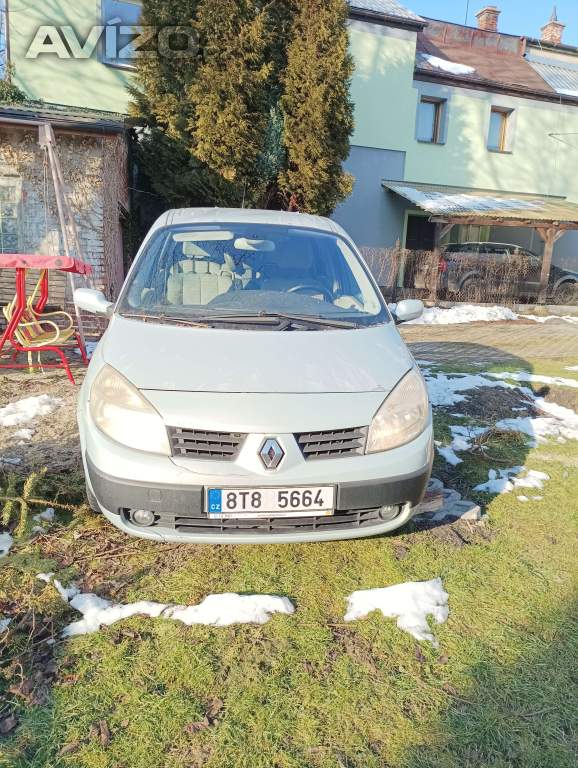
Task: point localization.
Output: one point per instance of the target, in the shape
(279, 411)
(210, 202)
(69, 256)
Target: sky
(518, 17)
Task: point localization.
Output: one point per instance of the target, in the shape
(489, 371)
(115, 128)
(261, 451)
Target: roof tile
(494, 57)
(387, 7)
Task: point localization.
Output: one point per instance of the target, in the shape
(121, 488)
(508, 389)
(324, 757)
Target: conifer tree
(260, 115)
(161, 104)
(318, 111)
(230, 91)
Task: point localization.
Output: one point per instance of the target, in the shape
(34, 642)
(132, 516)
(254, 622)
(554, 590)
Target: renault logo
(271, 453)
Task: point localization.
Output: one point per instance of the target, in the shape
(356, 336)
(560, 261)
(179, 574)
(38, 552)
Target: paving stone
(511, 342)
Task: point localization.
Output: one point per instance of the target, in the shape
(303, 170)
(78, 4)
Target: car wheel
(566, 293)
(470, 292)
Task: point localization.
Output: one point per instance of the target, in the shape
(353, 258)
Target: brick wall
(94, 170)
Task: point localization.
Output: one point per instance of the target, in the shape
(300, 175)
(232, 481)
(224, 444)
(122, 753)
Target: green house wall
(74, 82)
(386, 97)
(384, 92)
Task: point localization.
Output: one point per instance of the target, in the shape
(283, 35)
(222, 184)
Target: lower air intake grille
(333, 444)
(341, 521)
(195, 444)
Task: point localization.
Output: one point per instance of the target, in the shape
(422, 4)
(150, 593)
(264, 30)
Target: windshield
(212, 274)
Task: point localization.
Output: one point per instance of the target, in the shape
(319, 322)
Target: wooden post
(441, 230)
(549, 236)
(47, 141)
(435, 260)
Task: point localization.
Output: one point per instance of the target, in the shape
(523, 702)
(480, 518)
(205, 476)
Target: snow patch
(4, 624)
(448, 453)
(463, 313)
(572, 368)
(505, 481)
(215, 610)
(90, 346)
(6, 542)
(438, 202)
(24, 434)
(445, 390)
(45, 517)
(472, 313)
(561, 424)
(557, 381)
(66, 593)
(540, 319)
(23, 411)
(448, 66)
(462, 441)
(410, 603)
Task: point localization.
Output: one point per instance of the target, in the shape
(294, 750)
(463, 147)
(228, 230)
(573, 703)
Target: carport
(550, 216)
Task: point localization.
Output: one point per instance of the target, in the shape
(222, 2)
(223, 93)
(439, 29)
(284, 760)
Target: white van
(252, 387)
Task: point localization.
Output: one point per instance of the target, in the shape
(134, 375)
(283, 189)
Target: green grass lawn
(308, 690)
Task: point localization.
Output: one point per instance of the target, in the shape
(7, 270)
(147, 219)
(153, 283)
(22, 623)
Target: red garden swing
(29, 328)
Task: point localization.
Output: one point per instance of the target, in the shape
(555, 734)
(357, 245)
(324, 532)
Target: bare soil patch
(55, 442)
(493, 404)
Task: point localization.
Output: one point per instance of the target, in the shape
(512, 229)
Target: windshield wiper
(165, 319)
(275, 318)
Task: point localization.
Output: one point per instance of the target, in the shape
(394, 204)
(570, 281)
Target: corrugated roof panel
(462, 202)
(387, 7)
(563, 79)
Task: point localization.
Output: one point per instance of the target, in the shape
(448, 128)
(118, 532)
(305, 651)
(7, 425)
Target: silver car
(252, 387)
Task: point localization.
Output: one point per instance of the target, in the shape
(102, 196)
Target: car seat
(197, 281)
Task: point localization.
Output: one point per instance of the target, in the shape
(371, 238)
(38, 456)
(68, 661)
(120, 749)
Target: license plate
(256, 503)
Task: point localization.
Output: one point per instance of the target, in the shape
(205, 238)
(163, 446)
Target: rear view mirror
(409, 309)
(261, 246)
(93, 301)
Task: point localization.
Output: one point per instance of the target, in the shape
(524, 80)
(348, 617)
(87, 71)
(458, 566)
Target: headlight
(402, 417)
(120, 411)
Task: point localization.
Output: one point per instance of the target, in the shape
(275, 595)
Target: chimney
(488, 18)
(553, 30)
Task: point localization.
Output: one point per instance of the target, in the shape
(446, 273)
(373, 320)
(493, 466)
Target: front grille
(332, 444)
(196, 444)
(340, 521)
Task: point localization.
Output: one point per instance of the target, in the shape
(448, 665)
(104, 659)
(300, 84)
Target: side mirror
(93, 301)
(409, 309)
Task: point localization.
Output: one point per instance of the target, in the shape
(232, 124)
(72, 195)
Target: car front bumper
(375, 494)
(362, 509)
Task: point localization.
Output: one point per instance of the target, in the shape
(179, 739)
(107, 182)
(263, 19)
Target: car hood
(181, 359)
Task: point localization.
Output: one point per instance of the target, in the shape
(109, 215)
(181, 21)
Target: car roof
(246, 216)
(484, 242)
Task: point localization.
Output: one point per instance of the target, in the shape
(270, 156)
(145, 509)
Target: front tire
(470, 292)
(566, 293)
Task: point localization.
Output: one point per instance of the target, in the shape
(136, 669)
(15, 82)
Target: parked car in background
(472, 270)
(252, 387)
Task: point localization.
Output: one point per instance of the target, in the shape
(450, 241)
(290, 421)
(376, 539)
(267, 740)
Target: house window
(429, 120)
(9, 219)
(116, 48)
(3, 39)
(498, 135)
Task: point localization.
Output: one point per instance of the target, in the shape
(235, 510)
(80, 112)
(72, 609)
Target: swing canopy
(37, 261)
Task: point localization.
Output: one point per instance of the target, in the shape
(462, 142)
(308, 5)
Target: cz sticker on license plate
(255, 503)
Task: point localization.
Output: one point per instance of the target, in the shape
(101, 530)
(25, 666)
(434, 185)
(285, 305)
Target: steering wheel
(313, 289)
